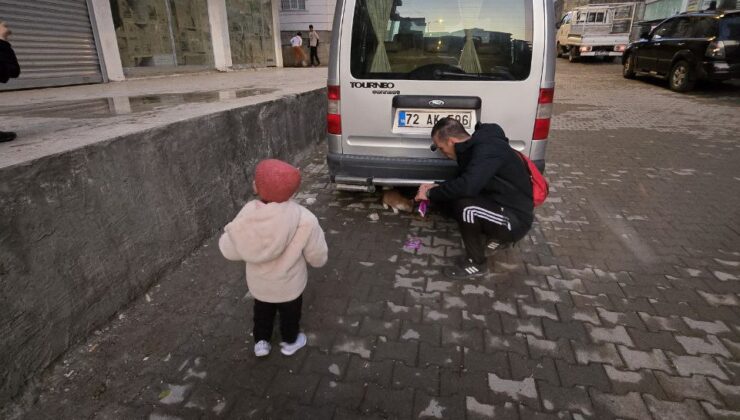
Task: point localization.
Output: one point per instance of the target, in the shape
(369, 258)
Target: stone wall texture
(85, 232)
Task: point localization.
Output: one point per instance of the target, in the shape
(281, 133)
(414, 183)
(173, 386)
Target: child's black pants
(290, 319)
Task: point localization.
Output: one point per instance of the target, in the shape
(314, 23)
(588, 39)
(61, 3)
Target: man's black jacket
(490, 169)
(8, 63)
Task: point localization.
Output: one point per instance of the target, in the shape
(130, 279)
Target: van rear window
(442, 39)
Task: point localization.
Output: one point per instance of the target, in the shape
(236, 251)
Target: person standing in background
(313, 42)
(298, 55)
(9, 68)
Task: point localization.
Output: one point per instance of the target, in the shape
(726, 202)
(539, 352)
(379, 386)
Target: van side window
(665, 30)
(704, 27)
(729, 28)
(595, 17)
(422, 40)
(683, 28)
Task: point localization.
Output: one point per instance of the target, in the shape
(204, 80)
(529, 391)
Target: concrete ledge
(85, 231)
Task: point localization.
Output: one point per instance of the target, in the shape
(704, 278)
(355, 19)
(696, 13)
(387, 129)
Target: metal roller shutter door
(54, 42)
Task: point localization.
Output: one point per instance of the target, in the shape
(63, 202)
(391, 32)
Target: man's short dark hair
(298, 33)
(449, 127)
(310, 26)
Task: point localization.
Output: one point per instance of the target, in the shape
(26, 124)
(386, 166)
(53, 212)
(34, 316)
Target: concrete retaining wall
(85, 232)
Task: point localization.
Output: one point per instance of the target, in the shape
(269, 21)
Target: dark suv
(688, 47)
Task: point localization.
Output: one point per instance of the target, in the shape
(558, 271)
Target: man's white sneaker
(262, 348)
(290, 349)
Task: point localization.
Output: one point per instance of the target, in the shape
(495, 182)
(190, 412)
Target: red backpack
(540, 188)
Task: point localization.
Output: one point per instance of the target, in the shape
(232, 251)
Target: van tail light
(333, 117)
(544, 114)
(585, 48)
(716, 49)
(620, 48)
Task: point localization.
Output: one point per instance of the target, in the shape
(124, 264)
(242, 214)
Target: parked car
(598, 30)
(398, 67)
(686, 48)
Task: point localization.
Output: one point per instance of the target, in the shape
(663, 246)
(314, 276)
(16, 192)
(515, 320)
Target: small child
(276, 237)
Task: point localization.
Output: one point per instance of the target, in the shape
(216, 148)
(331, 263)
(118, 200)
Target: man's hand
(423, 191)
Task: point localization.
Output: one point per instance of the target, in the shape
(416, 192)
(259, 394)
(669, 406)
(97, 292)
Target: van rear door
(406, 64)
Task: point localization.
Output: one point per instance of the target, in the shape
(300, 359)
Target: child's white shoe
(290, 349)
(262, 348)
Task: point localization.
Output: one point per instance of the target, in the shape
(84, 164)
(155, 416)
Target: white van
(397, 66)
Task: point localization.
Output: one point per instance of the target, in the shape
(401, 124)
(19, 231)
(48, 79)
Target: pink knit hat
(276, 180)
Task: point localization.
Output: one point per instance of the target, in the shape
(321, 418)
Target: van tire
(572, 57)
(681, 78)
(628, 68)
(559, 50)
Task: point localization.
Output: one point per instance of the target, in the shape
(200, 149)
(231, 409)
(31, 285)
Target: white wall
(106, 34)
(276, 33)
(218, 22)
(319, 13)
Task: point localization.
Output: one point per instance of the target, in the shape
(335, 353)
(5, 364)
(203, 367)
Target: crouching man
(491, 199)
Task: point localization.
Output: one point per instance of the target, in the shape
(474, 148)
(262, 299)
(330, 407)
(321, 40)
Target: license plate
(411, 118)
(601, 52)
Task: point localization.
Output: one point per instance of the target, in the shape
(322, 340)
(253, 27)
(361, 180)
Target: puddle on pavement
(125, 105)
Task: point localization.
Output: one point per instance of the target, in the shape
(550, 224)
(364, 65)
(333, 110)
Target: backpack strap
(526, 169)
(524, 161)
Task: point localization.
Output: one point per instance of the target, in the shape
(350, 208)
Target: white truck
(596, 30)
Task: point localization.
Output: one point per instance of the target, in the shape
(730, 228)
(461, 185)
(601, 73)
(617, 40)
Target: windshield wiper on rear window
(452, 75)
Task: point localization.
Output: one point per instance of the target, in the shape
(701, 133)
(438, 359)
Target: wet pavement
(124, 105)
(55, 120)
(622, 302)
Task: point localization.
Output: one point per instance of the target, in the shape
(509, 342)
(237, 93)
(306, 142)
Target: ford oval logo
(436, 102)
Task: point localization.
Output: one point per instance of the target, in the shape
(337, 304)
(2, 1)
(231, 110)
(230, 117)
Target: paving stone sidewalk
(623, 302)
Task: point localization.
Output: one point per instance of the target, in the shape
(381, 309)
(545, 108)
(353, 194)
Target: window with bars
(293, 4)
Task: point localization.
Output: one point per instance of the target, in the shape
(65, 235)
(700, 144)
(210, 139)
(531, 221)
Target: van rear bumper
(379, 170)
(601, 54)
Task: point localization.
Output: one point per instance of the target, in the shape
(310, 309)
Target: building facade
(296, 15)
(91, 41)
